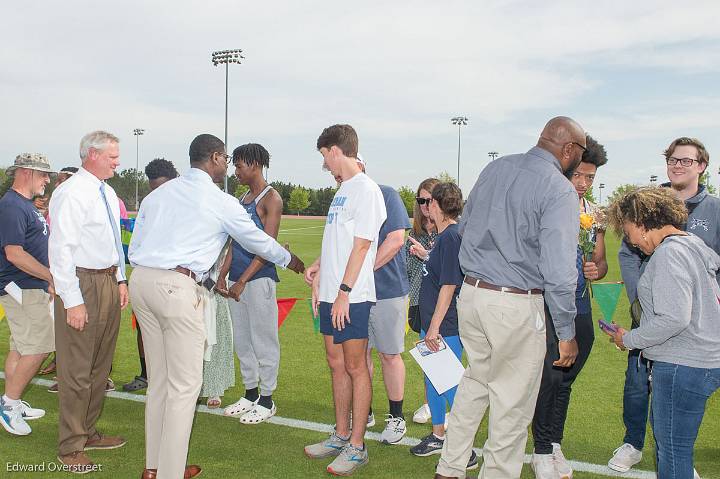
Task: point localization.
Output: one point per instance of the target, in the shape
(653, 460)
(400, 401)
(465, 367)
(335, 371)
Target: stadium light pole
(602, 185)
(226, 57)
(459, 121)
(493, 155)
(137, 132)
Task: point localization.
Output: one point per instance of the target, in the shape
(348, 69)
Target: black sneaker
(473, 462)
(428, 446)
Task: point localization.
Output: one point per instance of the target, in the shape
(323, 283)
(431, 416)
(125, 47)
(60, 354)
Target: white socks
(10, 402)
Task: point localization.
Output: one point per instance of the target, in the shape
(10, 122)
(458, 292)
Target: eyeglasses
(578, 144)
(423, 201)
(672, 161)
(228, 158)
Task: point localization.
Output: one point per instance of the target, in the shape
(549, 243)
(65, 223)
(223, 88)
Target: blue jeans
(636, 399)
(679, 394)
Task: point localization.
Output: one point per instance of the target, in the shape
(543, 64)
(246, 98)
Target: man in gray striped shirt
(520, 233)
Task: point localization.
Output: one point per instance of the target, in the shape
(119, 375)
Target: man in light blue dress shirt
(179, 232)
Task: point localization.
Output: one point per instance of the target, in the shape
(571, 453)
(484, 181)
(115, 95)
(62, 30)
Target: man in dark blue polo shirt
(386, 330)
(25, 287)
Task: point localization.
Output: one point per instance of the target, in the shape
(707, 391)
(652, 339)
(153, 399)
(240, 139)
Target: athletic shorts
(32, 328)
(357, 328)
(386, 331)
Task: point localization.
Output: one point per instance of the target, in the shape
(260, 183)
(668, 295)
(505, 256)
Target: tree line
(297, 199)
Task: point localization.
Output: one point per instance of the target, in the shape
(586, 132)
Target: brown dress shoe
(78, 462)
(190, 471)
(98, 441)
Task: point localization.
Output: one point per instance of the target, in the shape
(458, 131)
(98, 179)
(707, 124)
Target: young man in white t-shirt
(343, 291)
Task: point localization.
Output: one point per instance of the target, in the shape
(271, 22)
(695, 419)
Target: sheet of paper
(14, 291)
(442, 368)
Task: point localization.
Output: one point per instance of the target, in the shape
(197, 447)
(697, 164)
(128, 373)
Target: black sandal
(136, 385)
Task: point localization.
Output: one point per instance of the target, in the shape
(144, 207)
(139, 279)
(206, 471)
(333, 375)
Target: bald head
(562, 129)
(565, 139)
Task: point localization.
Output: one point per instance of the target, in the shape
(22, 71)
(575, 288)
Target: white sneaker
(422, 415)
(544, 466)
(563, 466)
(370, 421)
(12, 420)
(29, 412)
(258, 414)
(395, 430)
(624, 457)
(241, 407)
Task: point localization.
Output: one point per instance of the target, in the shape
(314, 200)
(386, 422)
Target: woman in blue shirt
(439, 289)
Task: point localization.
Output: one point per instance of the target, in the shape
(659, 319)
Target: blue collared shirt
(186, 222)
(520, 229)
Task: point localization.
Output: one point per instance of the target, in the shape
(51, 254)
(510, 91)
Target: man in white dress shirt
(88, 266)
(179, 232)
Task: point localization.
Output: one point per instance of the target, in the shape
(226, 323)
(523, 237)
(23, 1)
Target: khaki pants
(169, 308)
(84, 359)
(504, 337)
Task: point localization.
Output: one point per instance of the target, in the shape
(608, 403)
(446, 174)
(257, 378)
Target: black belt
(478, 283)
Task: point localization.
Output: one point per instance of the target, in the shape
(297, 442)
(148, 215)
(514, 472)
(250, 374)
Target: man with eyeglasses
(687, 160)
(520, 233)
(172, 254)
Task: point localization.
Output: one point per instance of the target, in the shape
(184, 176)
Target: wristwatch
(344, 287)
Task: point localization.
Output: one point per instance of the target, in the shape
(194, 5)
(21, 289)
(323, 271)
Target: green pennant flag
(316, 319)
(606, 295)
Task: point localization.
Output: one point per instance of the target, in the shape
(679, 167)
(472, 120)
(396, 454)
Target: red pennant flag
(285, 305)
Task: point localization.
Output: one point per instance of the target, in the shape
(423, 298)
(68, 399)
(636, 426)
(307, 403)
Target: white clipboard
(443, 368)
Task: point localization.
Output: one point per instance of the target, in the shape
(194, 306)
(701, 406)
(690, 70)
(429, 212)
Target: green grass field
(227, 449)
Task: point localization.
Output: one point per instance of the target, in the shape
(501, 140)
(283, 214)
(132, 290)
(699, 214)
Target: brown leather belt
(185, 271)
(478, 283)
(110, 271)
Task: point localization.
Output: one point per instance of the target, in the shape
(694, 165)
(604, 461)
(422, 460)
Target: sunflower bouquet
(590, 224)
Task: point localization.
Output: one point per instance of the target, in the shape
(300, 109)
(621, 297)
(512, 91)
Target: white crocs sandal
(241, 407)
(258, 414)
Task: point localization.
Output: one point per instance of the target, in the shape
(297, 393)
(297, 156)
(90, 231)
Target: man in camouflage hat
(24, 272)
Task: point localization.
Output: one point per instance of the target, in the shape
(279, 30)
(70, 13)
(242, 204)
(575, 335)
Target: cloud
(396, 70)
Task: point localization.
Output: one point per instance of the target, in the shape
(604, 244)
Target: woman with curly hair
(679, 328)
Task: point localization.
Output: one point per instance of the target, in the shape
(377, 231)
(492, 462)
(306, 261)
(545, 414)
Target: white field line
(302, 234)
(305, 228)
(601, 470)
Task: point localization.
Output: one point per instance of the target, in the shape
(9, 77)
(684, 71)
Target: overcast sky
(634, 74)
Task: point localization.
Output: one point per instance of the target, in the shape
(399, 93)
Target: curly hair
(160, 168)
(594, 153)
(449, 198)
(648, 207)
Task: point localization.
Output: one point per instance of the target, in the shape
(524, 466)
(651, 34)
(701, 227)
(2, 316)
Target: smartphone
(607, 327)
(425, 351)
